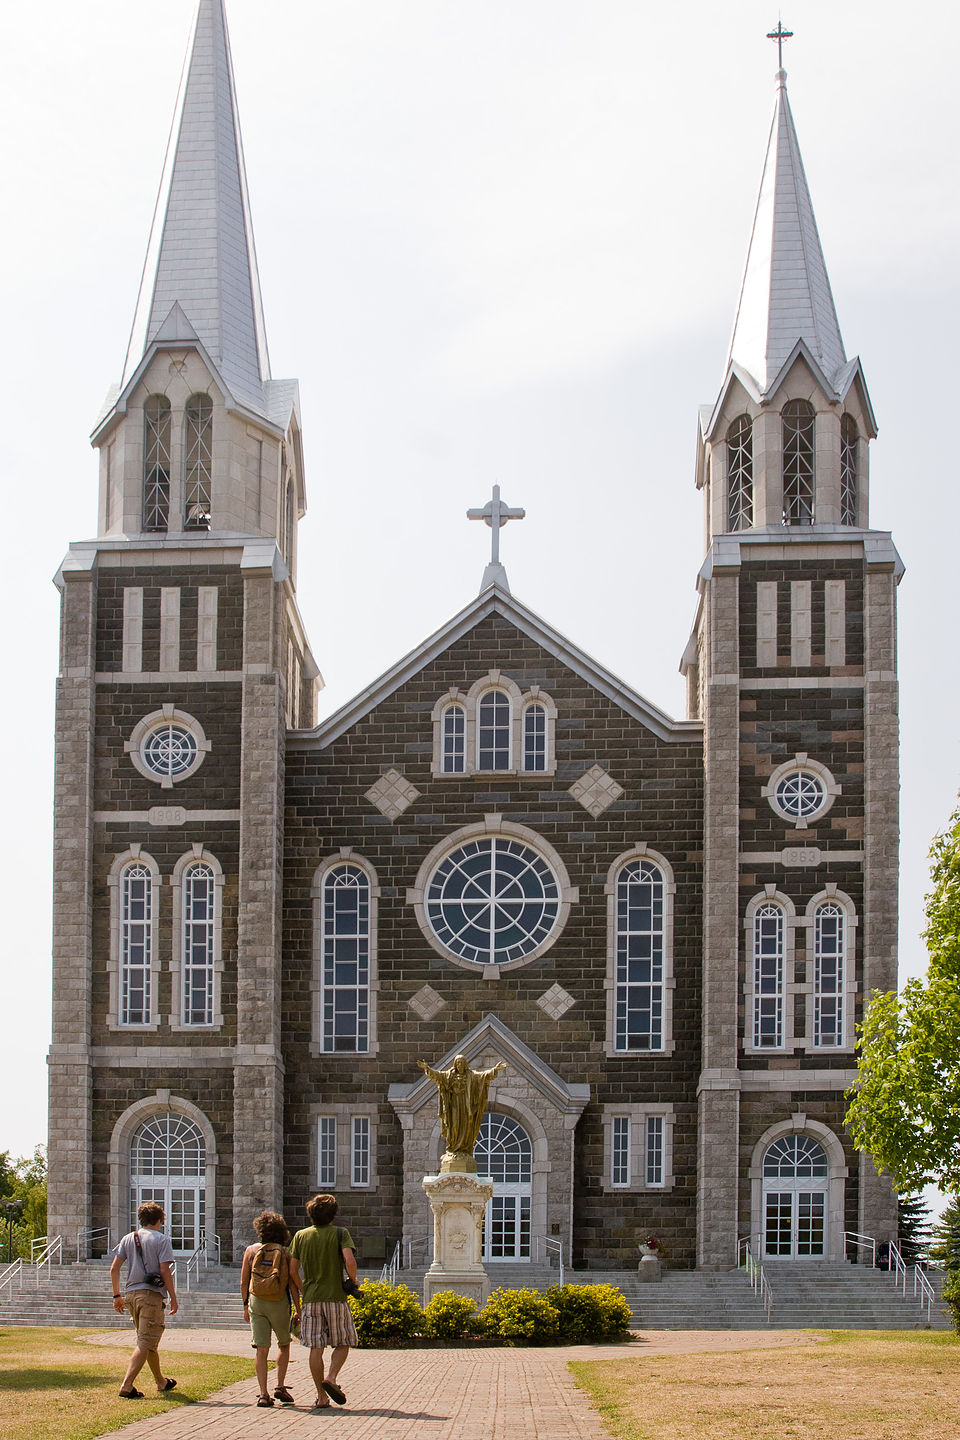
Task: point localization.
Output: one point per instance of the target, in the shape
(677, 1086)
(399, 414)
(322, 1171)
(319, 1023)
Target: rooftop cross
(496, 514)
(779, 35)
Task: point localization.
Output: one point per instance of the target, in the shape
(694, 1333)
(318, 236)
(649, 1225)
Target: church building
(665, 928)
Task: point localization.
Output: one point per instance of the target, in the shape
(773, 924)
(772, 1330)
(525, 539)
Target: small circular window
(167, 746)
(493, 900)
(801, 790)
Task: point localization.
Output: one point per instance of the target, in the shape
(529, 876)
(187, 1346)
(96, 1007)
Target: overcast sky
(498, 242)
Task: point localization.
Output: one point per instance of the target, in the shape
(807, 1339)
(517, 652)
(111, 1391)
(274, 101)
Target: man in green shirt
(326, 1318)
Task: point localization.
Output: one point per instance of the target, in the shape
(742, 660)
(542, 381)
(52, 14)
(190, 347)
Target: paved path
(424, 1394)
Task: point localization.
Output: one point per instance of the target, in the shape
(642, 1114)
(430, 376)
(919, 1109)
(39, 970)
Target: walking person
(326, 1319)
(148, 1256)
(267, 1288)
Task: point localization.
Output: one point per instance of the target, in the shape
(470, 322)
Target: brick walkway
(422, 1394)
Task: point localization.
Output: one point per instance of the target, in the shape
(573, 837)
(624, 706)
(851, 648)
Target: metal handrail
(553, 1246)
(85, 1239)
(201, 1256)
(51, 1252)
(37, 1245)
(11, 1272)
(927, 1292)
(860, 1242)
(756, 1276)
(923, 1291)
(388, 1275)
(407, 1252)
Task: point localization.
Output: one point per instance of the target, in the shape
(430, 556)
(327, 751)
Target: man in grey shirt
(145, 1252)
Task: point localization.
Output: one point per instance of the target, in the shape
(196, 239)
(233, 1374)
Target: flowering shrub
(589, 1312)
(519, 1314)
(448, 1315)
(384, 1312)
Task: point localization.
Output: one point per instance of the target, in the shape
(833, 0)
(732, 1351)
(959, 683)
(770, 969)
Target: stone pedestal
(649, 1271)
(458, 1201)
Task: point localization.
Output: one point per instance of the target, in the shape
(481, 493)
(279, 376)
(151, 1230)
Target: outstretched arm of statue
(434, 1074)
(502, 1065)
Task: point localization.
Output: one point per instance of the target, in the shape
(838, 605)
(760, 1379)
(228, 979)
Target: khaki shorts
(145, 1308)
(267, 1316)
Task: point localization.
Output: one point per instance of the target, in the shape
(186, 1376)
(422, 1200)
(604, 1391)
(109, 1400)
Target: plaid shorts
(327, 1322)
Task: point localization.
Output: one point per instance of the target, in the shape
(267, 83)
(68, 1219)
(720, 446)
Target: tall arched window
(504, 1153)
(199, 920)
(849, 456)
(795, 1188)
(493, 731)
(453, 740)
(168, 1165)
(640, 893)
(345, 957)
(798, 468)
(136, 944)
(198, 463)
(769, 975)
(156, 463)
(740, 474)
(829, 967)
(535, 737)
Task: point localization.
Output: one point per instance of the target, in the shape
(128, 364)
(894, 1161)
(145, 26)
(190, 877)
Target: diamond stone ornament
(596, 790)
(392, 794)
(556, 1001)
(426, 1002)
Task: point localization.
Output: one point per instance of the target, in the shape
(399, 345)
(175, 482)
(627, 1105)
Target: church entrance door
(168, 1165)
(504, 1153)
(795, 1173)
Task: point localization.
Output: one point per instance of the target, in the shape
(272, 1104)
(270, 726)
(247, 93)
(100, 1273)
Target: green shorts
(267, 1316)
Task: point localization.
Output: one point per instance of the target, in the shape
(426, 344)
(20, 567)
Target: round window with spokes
(801, 791)
(167, 746)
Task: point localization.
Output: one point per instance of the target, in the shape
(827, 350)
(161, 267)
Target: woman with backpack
(267, 1287)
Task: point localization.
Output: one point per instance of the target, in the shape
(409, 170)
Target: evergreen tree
(913, 1228)
(945, 1246)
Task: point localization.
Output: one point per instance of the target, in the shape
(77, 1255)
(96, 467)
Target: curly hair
(321, 1209)
(271, 1228)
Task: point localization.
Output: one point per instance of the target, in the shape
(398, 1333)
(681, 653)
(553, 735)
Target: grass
(858, 1384)
(54, 1388)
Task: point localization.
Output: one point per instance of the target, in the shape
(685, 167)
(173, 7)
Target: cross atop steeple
(496, 514)
(779, 35)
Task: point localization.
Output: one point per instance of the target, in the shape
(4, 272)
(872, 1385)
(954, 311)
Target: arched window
(198, 463)
(345, 958)
(136, 944)
(156, 463)
(453, 740)
(849, 456)
(168, 1166)
(829, 974)
(535, 737)
(740, 474)
(199, 921)
(493, 731)
(504, 1153)
(798, 471)
(639, 970)
(769, 975)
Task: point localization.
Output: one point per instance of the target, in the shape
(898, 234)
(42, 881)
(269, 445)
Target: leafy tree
(945, 1246)
(905, 1104)
(24, 1179)
(913, 1228)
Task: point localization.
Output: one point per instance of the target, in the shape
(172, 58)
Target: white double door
(504, 1152)
(183, 1205)
(795, 1221)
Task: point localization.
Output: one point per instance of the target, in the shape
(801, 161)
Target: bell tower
(792, 668)
(184, 663)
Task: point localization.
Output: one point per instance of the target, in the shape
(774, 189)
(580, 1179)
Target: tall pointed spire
(785, 296)
(201, 256)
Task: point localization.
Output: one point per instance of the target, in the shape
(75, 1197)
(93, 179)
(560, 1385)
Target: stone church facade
(665, 928)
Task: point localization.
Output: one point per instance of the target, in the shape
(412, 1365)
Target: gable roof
(496, 601)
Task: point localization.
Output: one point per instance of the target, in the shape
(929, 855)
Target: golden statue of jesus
(461, 1101)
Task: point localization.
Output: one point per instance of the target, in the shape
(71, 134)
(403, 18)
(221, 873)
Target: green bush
(448, 1315)
(951, 1294)
(385, 1312)
(519, 1314)
(589, 1312)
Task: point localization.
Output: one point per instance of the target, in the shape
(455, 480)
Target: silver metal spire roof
(785, 296)
(201, 256)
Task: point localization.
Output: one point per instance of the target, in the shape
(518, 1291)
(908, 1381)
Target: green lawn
(855, 1384)
(53, 1387)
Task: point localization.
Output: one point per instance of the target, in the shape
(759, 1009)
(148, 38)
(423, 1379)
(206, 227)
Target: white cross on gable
(496, 514)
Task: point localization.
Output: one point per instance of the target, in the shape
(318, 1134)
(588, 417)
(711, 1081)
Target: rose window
(169, 750)
(800, 794)
(493, 900)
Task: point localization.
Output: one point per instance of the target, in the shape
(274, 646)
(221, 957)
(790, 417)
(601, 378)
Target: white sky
(498, 242)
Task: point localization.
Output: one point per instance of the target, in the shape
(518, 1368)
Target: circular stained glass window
(800, 794)
(169, 750)
(493, 900)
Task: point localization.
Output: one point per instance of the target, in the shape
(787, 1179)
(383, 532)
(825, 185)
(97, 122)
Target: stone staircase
(819, 1295)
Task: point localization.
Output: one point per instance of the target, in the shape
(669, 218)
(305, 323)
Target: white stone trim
(118, 1157)
(169, 629)
(492, 825)
(802, 761)
(831, 893)
(835, 622)
(470, 700)
(801, 622)
(344, 856)
(134, 854)
(142, 729)
(343, 1114)
(207, 602)
(766, 622)
(769, 895)
(493, 680)
(640, 850)
(837, 1172)
(195, 854)
(638, 1116)
(132, 645)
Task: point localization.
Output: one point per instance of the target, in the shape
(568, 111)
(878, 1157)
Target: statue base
(649, 1271)
(458, 1200)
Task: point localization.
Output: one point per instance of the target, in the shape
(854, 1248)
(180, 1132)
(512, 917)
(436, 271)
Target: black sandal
(264, 1400)
(334, 1391)
(168, 1384)
(130, 1394)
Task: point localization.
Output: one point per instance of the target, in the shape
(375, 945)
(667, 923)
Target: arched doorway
(795, 1187)
(504, 1153)
(168, 1165)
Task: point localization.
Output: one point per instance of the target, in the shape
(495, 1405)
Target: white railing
(86, 1240)
(860, 1242)
(756, 1276)
(36, 1246)
(922, 1293)
(552, 1246)
(201, 1256)
(12, 1273)
(51, 1253)
(408, 1249)
(388, 1275)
